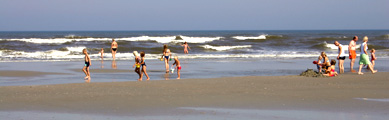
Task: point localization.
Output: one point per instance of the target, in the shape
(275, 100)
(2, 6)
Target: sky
(100, 15)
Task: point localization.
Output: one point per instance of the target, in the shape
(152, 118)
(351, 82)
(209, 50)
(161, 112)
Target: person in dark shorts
(114, 47)
(341, 56)
(87, 64)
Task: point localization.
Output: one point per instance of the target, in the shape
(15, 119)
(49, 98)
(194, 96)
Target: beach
(354, 95)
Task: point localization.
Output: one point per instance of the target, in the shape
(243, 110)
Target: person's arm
(188, 47)
(143, 61)
(111, 46)
(349, 47)
(90, 62)
(373, 54)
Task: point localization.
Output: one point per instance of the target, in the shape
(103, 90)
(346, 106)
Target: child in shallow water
(143, 65)
(178, 66)
(137, 64)
(87, 64)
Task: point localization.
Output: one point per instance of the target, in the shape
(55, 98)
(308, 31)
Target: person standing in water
(114, 47)
(352, 53)
(364, 57)
(340, 57)
(102, 53)
(166, 56)
(178, 66)
(87, 64)
(186, 47)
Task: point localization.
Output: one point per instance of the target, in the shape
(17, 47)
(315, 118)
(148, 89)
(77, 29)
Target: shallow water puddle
(374, 99)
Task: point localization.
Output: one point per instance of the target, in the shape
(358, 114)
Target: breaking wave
(223, 48)
(261, 37)
(165, 39)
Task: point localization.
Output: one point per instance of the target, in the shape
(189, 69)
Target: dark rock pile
(311, 73)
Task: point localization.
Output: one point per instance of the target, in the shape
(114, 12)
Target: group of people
(140, 64)
(328, 66)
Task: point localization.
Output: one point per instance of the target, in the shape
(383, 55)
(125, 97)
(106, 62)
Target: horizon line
(182, 30)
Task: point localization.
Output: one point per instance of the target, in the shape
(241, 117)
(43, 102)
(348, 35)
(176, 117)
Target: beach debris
(311, 73)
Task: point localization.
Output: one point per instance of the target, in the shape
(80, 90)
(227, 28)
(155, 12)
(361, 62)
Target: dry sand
(156, 97)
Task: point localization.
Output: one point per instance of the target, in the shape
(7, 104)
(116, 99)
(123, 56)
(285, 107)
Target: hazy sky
(46, 15)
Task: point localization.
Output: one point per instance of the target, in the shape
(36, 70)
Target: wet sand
(21, 73)
(348, 93)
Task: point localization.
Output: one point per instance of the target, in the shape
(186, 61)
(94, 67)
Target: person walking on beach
(87, 64)
(364, 57)
(114, 47)
(143, 64)
(166, 56)
(186, 47)
(352, 53)
(178, 66)
(137, 64)
(340, 57)
(373, 58)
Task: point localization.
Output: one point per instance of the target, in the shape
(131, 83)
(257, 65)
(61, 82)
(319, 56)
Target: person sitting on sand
(143, 64)
(330, 72)
(137, 64)
(364, 58)
(326, 61)
(341, 56)
(186, 47)
(101, 53)
(114, 47)
(87, 64)
(178, 66)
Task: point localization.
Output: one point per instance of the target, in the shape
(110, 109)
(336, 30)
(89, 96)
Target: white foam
(76, 49)
(250, 37)
(162, 39)
(334, 47)
(223, 48)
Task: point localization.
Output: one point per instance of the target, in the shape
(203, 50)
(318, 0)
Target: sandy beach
(350, 93)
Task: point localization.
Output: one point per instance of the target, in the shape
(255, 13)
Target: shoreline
(346, 93)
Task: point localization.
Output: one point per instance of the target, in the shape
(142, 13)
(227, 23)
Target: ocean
(258, 44)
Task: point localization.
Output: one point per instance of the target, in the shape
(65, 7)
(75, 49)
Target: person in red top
(352, 53)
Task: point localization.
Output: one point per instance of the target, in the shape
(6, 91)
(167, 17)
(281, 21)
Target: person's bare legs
(341, 67)
(113, 54)
(144, 70)
(371, 69)
(352, 65)
(84, 70)
(137, 70)
(360, 69)
(178, 73)
(167, 65)
(87, 70)
(372, 64)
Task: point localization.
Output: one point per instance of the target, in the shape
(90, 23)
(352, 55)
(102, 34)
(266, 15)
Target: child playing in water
(373, 58)
(102, 53)
(137, 64)
(178, 66)
(186, 47)
(87, 64)
(143, 64)
(330, 72)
